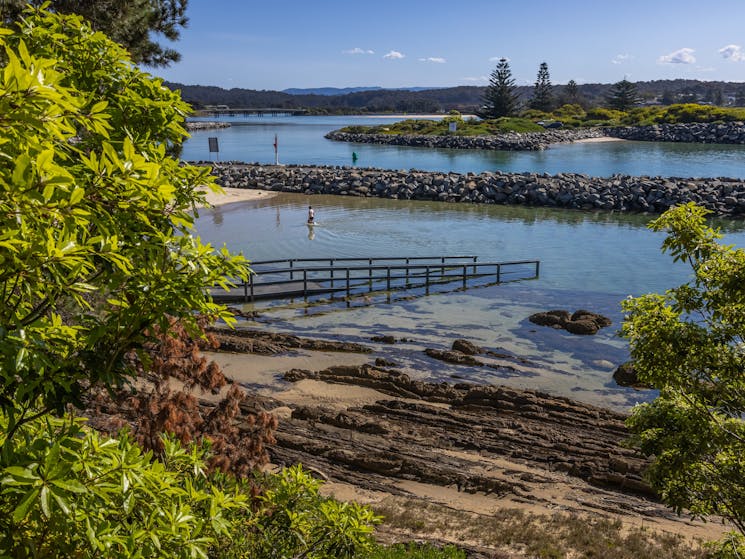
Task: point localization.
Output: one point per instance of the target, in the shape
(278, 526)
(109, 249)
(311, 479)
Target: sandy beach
(231, 195)
(598, 140)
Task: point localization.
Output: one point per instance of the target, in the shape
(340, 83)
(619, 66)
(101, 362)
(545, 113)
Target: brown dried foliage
(170, 371)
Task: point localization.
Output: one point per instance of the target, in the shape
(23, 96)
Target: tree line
(502, 99)
(464, 99)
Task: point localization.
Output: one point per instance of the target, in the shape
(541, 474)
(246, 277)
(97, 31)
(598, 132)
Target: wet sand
(232, 195)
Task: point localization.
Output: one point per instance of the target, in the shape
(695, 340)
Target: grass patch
(414, 551)
(471, 127)
(542, 536)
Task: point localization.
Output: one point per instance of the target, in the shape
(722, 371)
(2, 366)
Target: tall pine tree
(543, 96)
(623, 96)
(500, 97)
(571, 95)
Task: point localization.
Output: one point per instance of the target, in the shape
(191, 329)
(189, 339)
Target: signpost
(214, 148)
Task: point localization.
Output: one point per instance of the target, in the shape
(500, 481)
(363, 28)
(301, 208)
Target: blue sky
(277, 44)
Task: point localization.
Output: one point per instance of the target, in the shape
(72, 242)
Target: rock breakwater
(694, 132)
(723, 196)
(529, 141)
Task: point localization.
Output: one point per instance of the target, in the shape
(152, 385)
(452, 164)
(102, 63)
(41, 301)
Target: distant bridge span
(230, 111)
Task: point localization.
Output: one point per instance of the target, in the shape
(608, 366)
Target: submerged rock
(581, 322)
(625, 375)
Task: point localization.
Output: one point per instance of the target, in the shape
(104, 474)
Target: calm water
(588, 260)
(301, 141)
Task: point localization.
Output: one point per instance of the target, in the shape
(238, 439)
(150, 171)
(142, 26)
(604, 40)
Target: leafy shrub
(535, 115)
(603, 114)
(569, 110)
(513, 124)
(294, 520)
(67, 491)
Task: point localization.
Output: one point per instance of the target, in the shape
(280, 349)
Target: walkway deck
(284, 279)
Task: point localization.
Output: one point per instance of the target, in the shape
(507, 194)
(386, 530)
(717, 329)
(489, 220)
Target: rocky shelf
(723, 196)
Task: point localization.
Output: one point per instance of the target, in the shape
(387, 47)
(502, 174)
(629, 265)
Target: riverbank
(450, 455)
(723, 196)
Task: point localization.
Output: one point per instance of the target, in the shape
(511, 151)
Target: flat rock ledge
(723, 196)
(512, 443)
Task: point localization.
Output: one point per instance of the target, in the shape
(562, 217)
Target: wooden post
(465, 273)
(251, 279)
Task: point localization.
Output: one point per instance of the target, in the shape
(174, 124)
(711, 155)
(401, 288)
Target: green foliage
(623, 96)
(569, 110)
(65, 491)
(603, 114)
(500, 97)
(471, 127)
(97, 259)
(95, 217)
(543, 97)
(294, 520)
(131, 23)
(688, 343)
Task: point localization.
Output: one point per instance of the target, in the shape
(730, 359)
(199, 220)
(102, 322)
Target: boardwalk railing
(279, 279)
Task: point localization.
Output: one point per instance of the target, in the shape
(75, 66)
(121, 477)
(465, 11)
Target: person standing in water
(311, 214)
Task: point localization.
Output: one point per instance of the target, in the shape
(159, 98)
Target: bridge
(223, 110)
(284, 279)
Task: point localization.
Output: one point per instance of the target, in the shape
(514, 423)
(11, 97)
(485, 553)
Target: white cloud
(358, 50)
(435, 59)
(733, 52)
(498, 58)
(393, 55)
(680, 56)
(621, 58)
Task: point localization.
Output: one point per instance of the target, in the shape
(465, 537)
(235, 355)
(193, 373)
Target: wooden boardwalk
(306, 277)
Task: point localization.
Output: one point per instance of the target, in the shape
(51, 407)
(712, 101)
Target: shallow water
(301, 141)
(588, 260)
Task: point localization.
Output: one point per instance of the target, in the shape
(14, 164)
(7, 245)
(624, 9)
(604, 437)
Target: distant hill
(465, 99)
(328, 90)
(344, 90)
